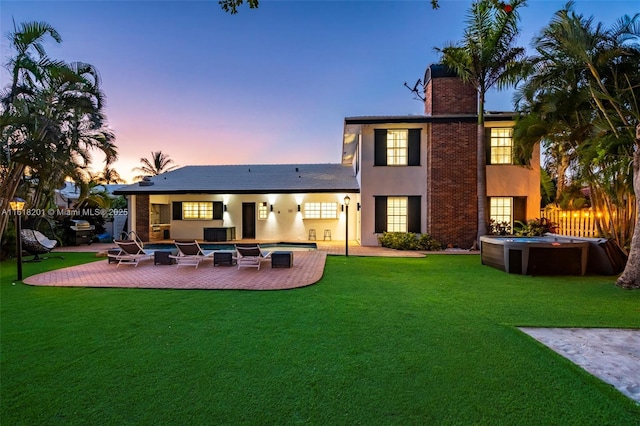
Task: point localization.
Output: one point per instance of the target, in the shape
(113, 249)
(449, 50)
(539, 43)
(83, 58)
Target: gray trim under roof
(250, 179)
(398, 119)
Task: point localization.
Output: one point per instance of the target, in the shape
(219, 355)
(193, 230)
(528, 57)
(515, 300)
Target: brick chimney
(452, 207)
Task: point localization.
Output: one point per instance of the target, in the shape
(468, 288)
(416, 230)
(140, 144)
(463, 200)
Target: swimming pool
(281, 246)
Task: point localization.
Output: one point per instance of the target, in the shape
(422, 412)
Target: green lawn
(377, 341)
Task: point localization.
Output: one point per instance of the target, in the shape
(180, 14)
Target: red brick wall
(449, 95)
(452, 207)
(142, 217)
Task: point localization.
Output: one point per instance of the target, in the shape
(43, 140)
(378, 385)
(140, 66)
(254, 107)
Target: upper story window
(501, 145)
(397, 143)
(320, 210)
(263, 212)
(397, 147)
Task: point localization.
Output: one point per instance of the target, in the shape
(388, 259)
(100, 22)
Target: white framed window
(263, 211)
(197, 210)
(397, 147)
(320, 210)
(501, 209)
(501, 145)
(397, 214)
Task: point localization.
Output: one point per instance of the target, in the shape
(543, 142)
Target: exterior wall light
(298, 207)
(271, 207)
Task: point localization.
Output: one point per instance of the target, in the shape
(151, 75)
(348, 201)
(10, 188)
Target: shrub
(499, 228)
(535, 227)
(409, 241)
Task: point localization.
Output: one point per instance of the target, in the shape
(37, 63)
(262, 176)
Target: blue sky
(268, 85)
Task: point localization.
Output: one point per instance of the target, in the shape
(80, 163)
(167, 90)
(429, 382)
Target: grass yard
(376, 341)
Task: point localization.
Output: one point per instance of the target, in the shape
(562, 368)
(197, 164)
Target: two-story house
(417, 173)
(413, 173)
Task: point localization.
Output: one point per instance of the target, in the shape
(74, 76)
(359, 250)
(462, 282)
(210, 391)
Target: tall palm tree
(158, 163)
(486, 57)
(26, 67)
(109, 175)
(552, 114)
(52, 116)
(587, 61)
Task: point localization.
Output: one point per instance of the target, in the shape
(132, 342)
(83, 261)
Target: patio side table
(113, 252)
(223, 258)
(161, 257)
(282, 259)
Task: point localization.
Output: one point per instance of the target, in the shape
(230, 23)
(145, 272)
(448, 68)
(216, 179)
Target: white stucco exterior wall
(388, 180)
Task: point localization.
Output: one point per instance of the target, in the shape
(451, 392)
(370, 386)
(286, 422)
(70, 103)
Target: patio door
(249, 221)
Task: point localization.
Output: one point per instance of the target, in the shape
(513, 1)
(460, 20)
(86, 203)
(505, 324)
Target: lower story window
(197, 210)
(320, 210)
(501, 209)
(397, 214)
(263, 213)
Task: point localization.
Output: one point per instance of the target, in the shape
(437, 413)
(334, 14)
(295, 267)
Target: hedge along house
(285, 202)
(417, 173)
(414, 173)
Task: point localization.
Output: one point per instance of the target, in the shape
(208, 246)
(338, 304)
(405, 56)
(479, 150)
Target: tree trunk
(8, 191)
(561, 184)
(481, 172)
(630, 277)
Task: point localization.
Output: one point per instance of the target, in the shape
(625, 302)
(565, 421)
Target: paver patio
(307, 269)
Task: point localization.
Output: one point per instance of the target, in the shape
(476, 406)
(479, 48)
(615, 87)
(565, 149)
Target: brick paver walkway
(307, 269)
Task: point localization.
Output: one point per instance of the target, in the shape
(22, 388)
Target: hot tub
(535, 255)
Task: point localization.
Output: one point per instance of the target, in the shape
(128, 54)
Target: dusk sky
(266, 86)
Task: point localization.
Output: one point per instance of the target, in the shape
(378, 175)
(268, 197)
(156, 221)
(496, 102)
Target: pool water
(223, 246)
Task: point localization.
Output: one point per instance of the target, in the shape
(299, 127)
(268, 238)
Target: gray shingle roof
(250, 179)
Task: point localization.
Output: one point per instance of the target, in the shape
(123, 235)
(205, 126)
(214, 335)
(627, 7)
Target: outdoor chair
(131, 253)
(36, 243)
(190, 253)
(250, 257)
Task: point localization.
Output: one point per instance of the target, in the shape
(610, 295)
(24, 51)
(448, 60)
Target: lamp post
(346, 225)
(17, 205)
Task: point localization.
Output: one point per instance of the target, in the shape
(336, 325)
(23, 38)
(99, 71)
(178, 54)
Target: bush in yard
(499, 228)
(535, 227)
(409, 241)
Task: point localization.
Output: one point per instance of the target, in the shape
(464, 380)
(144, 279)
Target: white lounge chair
(250, 256)
(190, 253)
(131, 253)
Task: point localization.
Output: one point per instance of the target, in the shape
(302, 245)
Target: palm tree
(109, 175)
(158, 164)
(26, 67)
(553, 115)
(598, 67)
(52, 116)
(486, 58)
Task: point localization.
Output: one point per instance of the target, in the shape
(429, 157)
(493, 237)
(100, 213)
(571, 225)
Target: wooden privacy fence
(574, 223)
